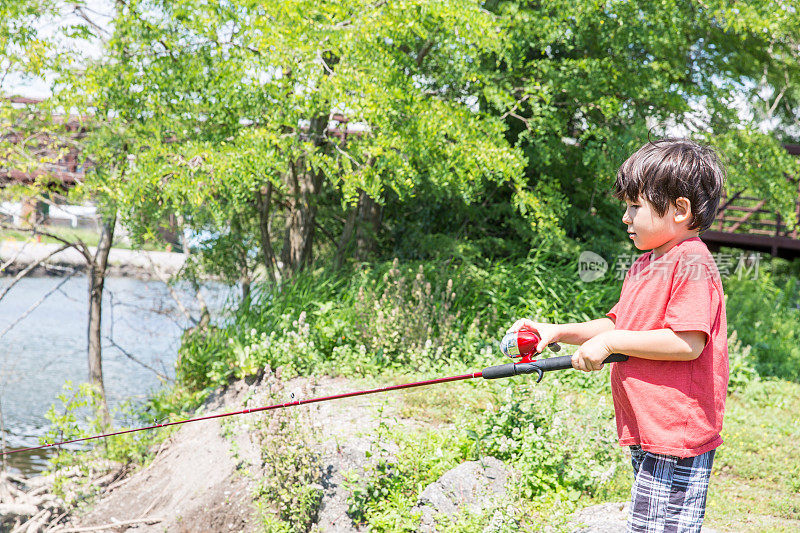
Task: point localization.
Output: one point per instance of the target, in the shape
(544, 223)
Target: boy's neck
(670, 244)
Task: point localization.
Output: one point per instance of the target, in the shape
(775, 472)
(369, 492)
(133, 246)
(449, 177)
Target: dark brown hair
(662, 171)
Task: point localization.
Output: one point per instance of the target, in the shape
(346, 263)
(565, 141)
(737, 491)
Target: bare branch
(172, 292)
(78, 244)
(14, 259)
(124, 352)
(81, 12)
(106, 527)
(27, 270)
(777, 101)
(36, 304)
(516, 105)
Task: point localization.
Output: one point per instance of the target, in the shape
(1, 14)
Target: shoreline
(122, 262)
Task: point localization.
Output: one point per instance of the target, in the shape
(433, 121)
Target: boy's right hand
(548, 333)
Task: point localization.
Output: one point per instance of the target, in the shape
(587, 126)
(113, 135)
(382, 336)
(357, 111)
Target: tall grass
(422, 316)
(418, 316)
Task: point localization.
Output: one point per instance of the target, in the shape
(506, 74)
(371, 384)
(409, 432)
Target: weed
(403, 464)
(79, 417)
(555, 450)
(288, 492)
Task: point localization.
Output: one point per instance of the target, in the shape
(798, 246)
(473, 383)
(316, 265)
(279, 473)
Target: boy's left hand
(591, 354)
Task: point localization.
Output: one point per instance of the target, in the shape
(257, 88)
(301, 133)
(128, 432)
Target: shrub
(79, 417)
(403, 464)
(765, 313)
(388, 317)
(559, 448)
(741, 364)
(288, 492)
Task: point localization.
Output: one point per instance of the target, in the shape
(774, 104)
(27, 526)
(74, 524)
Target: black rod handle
(542, 365)
(565, 361)
(502, 371)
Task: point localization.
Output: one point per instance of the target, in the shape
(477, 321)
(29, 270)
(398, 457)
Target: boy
(669, 396)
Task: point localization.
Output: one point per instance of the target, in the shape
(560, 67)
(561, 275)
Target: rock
(337, 459)
(605, 518)
(468, 486)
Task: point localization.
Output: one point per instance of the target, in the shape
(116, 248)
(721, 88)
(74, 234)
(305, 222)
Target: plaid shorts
(669, 494)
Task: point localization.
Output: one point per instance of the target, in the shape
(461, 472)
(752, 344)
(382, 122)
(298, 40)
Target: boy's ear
(683, 209)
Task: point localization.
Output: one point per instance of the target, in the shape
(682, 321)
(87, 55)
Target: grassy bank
(756, 483)
(395, 322)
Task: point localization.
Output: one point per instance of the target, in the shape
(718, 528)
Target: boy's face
(650, 231)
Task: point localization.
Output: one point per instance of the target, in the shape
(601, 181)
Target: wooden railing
(746, 214)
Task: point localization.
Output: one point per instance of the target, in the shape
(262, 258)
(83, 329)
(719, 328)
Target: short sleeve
(690, 302)
(613, 313)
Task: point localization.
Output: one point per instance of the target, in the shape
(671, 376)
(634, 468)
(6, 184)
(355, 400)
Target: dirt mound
(191, 482)
(204, 477)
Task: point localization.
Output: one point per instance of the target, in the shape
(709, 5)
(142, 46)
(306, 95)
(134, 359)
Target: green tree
(37, 136)
(273, 123)
(581, 84)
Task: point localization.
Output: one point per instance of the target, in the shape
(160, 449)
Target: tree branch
(172, 292)
(106, 527)
(13, 259)
(35, 305)
(426, 48)
(80, 246)
(124, 352)
(27, 270)
(81, 12)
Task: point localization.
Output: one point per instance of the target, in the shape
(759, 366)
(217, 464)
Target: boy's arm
(580, 332)
(657, 344)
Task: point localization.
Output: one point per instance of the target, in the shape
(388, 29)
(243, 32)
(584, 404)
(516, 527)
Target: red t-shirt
(673, 407)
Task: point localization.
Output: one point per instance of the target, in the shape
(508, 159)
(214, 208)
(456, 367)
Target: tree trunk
(244, 280)
(4, 465)
(299, 238)
(364, 219)
(263, 205)
(245, 276)
(370, 214)
(303, 185)
(97, 276)
(347, 234)
(205, 315)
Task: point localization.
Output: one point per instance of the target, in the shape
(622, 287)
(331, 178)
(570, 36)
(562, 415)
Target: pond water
(48, 347)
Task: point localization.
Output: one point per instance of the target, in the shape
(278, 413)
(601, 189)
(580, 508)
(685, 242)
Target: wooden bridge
(742, 222)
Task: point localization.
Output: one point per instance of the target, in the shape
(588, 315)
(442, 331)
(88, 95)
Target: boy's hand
(591, 354)
(548, 333)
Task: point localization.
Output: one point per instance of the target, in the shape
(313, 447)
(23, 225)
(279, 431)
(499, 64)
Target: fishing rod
(519, 344)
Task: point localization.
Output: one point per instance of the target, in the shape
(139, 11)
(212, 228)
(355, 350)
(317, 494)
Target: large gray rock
(471, 485)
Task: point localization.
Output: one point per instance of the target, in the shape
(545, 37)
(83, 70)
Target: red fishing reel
(522, 344)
